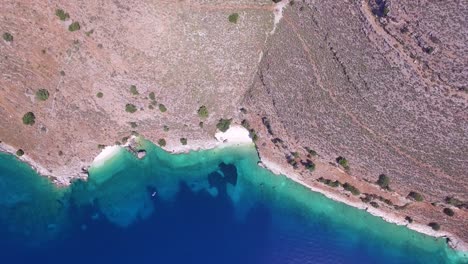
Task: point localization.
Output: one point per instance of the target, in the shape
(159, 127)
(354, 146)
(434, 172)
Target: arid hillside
(350, 84)
(178, 56)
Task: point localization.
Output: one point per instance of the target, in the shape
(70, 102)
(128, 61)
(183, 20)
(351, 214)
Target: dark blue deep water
(202, 208)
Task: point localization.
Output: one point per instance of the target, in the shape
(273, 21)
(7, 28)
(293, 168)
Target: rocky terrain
(381, 84)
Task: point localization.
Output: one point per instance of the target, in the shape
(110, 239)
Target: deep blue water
(239, 216)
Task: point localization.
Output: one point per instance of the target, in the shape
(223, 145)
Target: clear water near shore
(213, 206)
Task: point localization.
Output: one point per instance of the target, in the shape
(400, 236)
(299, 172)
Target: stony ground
(381, 83)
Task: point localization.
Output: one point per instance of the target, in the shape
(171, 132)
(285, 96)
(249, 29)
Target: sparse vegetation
(351, 188)
(454, 201)
(416, 196)
(311, 151)
(62, 15)
(162, 108)
(165, 128)
(133, 124)
(233, 18)
(29, 118)
(329, 182)
(130, 108)
(183, 141)
(200, 124)
(19, 152)
(253, 135)
(223, 124)
(7, 37)
(309, 165)
(99, 95)
(202, 112)
(42, 94)
(343, 162)
(435, 226)
(449, 211)
(133, 90)
(74, 26)
(245, 123)
(383, 181)
(162, 142)
(151, 107)
(152, 96)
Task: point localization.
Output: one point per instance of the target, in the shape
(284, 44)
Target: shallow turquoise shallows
(213, 206)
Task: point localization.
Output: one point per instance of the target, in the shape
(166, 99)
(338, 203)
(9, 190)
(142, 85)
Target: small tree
(29, 118)
(152, 96)
(223, 124)
(19, 152)
(435, 226)
(130, 108)
(449, 212)
(133, 90)
(99, 95)
(162, 142)
(233, 18)
(351, 188)
(343, 162)
(416, 196)
(7, 37)
(62, 14)
(162, 108)
(74, 26)
(202, 112)
(383, 181)
(42, 94)
(183, 141)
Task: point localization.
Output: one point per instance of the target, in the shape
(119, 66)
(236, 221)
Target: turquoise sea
(213, 206)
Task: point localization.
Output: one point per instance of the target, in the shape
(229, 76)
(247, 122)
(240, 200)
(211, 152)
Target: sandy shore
(455, 242)
(237, 136)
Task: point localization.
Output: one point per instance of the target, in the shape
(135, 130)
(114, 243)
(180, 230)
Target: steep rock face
(334, 79)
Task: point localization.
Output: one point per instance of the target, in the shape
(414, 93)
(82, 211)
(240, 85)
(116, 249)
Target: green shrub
(202, 112)
(42, 94)
(223, 124)
(409, 219)
(133, 124)
(383, 181)
(165, 128)
(416, 196)
(130, 108)
(454, 201)
(29, 118)
(74, 26)
(162, 142)
(309, 165)
(19, 152)
(295, 154)
(449, 212)
(245, 124)
(233, 18)
(200, 124)
(162, 108)
(183, 141)
(134, 90)
(374, 204)
(343, 162)
(351, 188)
(62, 14)
(152, 96)
(253, 135)
(99, 95)
(101, 146)
(151, 107)
(311, 151)
(435, 226)
(7, 37)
